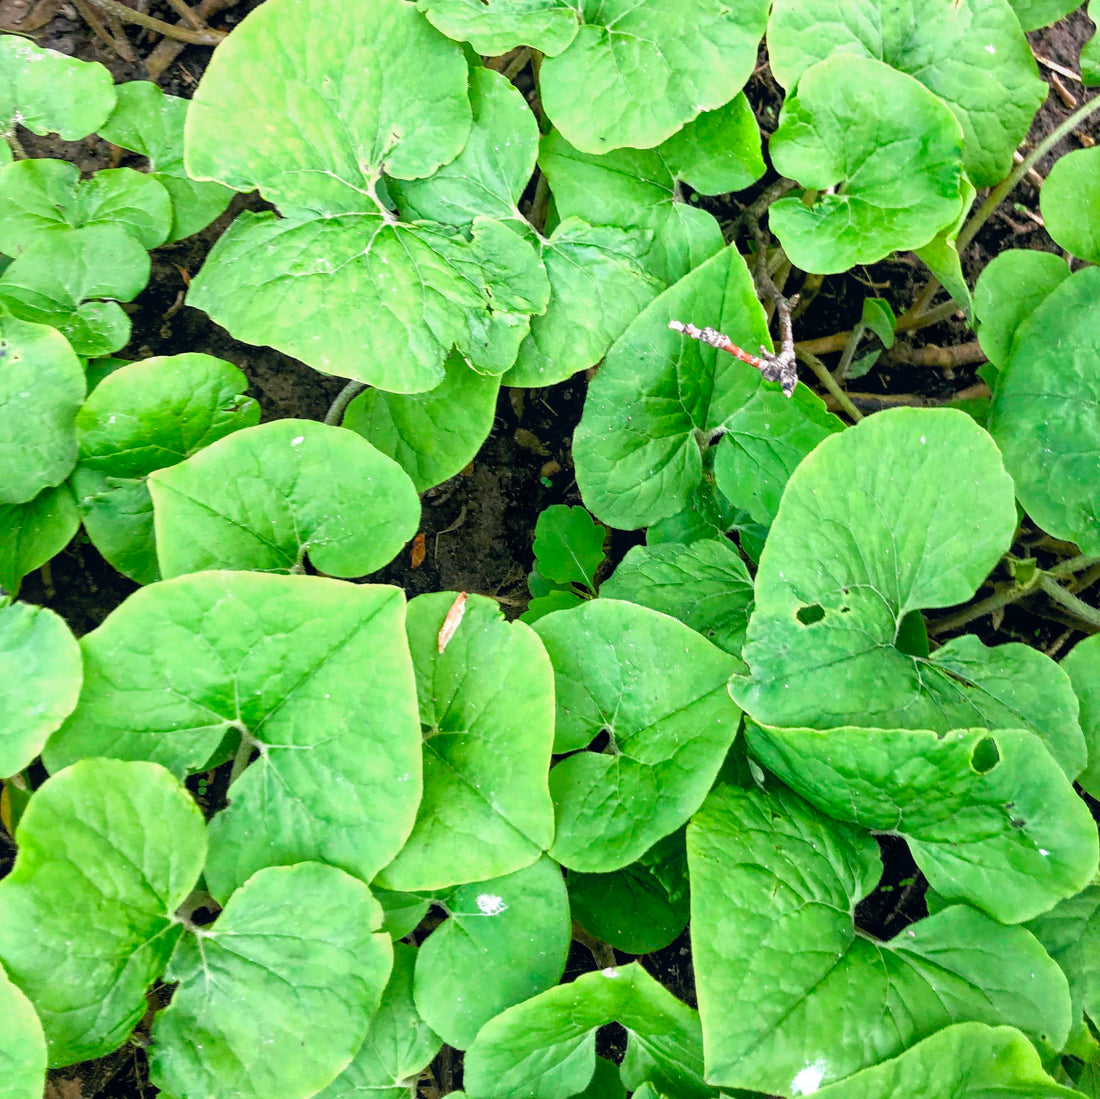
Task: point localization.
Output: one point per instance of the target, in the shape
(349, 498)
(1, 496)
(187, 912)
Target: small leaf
(542, 605)
(658, 691)
(1071, 188)
(34, 532)
(41, 388)
(893, 159)
(291, 954)
(265, 497)
(1090, 56)
(505, 940)
(123, 843)
(1083, 667)
(143, 417)
(569, 545)
(705, 585)
(22, 1044)
(486, 810)
(40, 676)
(1043, 415)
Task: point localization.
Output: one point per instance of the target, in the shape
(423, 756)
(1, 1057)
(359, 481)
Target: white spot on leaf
(489, 904)
(809, 1079)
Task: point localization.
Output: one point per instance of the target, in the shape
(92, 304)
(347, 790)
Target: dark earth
(479, 526)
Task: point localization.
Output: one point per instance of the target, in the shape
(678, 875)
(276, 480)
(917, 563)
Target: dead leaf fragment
(453, 620)
(416, 554)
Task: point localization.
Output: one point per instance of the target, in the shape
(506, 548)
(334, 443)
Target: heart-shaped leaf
(40, 676)
(143, 417)
(292, 953)
(264, 497)
(1044, 412)
(657, 690)
(123, 843)
(889, 164)
(773, 887)
(973, 56)
(33, 532)
(315, 671)
(486, 810)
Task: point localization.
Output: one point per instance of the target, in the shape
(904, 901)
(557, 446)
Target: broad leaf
(1083, 667)
(315, 671)
(641, 446)
(41, 387)
(265, 497)
(48, 92)
(48, 196)
(399, 1043)
(495, 26)
(40, 676)
(989, 816)
(143, 417)
(430, 435)
(1008, 290)
(1069, 193)
(657, 690)
(546, 1048)
(1090, 55)
(774, 884)
(1034, 14)
(889, 162)
(705, 585)
(637, 71)
(1044, 412)
(641, 189)
(973, 56)
(568, 545)
(149, 122)
(22, 1044)
(291, 954)
(486, 810)
(965, 1061)
(505, 940)
(33, 532)
(123, 844)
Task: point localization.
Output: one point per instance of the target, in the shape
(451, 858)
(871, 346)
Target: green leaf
(399, 1043)
(402, 911)
(1009, 289)
(430, 435)
(1044, 412)
(640, 908)
(1083, 667)
(941, 254)
(635, 73)
(314, 670)
(708, 515)
(41, 387)
(56, 279)
(705, 585)
(1034, 14)
(542, 605)
(658, 691)
(49, 92)
(879, 318)
(545, 1048)
(505, 941)
(494, 27)
(640, 189)
(893, 157)
(265, 497)
(292, 954)
(598, 285)
(40, 676)
(989, 816)
(841, 571)
(774, 884)
(486, 810)
(973, 56)
(396, 297)
(763, 442)
(1090, 56)
(147, 121)
(33, 532)
(1069, 194)
(143, 417)
(48, 196)
(22, 1044)
(568, 545)
(641, 446)
(965, 1061)
(489, 175)
(123, 844)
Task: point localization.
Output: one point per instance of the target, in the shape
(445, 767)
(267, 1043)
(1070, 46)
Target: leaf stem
(339, 406)
(601, 952)
(243, 756)
(829, 382)
(182, 34)
(1072, 565)
(1011, 593)
(1077, 607)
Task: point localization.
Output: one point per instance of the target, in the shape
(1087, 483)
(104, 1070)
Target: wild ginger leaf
(33, 532)
(1071, 189)
(494, 27)
(568, 545)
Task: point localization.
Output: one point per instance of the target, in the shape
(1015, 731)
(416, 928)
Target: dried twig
(776, 368)
(206, 37)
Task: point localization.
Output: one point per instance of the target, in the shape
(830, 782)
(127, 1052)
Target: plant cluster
(712, 731)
